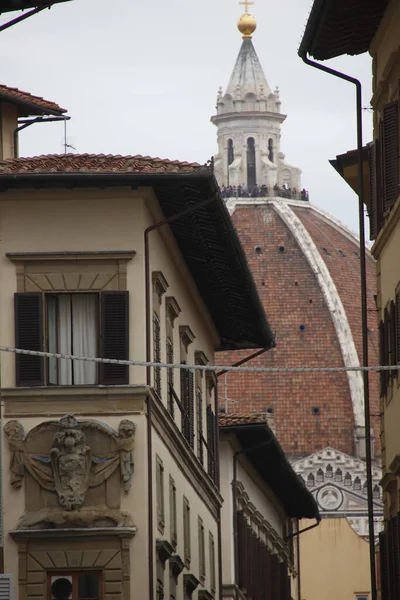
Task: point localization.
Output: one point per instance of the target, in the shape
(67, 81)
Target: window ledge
(60, 400)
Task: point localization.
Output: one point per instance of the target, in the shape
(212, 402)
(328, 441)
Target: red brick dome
(307, 269)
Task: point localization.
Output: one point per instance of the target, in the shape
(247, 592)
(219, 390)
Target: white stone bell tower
(248, 121)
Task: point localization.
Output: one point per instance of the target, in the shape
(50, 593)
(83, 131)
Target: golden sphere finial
(247, 23)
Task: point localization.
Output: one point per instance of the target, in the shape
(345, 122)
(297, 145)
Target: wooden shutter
(212, 444)
(241, 556)
(200, 449)
(28, 315)
(191, 408)
(373, 190)
(386, 346)
(398, 326)
(6, 587)
(382, 356)
(390, 145)
(157, 353)
(114, 337)
(383, 557)
(393, 345)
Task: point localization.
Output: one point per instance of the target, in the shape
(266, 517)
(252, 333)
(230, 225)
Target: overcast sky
(142, 78)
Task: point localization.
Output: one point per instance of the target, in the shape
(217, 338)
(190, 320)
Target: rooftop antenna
(66, 145)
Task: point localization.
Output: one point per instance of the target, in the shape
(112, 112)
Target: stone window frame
(212, 558)
(160, 286)
(201, 550)
(186, 338)
(176, 567)
(74, 573)
(164, 551)
(186, 533)
(173, 516)
(172, 312)
(30, 264)
(160, 494)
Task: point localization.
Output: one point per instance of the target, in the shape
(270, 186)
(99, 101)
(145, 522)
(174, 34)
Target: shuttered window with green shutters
(390, 155)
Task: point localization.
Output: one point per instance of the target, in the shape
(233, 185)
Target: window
(271, 149)
(160, 494)
(170, 376)
(172, 311)
(157, 352)
(75, 586)
(172, 513)
(320, 475)
(231, 154)
(72, 328)
(187, 387)
(310, 480)
(199, 404)
(362, 597)
(83, 324)
(251, 164)
(202, 552)
(347, 479)
(212, 562)
(357, 483)
(338, 475)
(186, 532)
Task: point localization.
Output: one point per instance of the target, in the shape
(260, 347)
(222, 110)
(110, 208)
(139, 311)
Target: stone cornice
(186, 334)
(88, 532)
(172, 307)
(94, 255)
(160, 284)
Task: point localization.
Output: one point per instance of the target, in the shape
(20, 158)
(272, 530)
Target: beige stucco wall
(9, 122)
(107, 220)
(333, 562)
(198, 508)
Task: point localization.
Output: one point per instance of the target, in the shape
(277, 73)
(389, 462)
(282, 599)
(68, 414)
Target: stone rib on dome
(248, 75)
(314, 327)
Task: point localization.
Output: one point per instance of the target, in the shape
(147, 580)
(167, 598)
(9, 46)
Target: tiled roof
(233, 420)
(17, 96)
(95, 163)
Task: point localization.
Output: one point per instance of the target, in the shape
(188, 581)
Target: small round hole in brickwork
(315, 410)
(302, 327)
(281, 248)
(269, 410)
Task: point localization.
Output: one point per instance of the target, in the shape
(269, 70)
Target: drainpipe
(298, 563)
(234, 501)
(27, 123)
(357, 83)
(148, 377)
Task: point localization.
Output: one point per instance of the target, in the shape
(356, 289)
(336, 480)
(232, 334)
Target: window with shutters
(160, 286)
(187, 387)
(172, 513)
(202, 551)
(6, 590)
(157, 353)
(213, 579)
(160, 494)
(172, 311)
(200, 379)
(375, 207)
(212, 431)
(82, 324)
(186, 533)
(390, 155)
(393, 338)
(397, 328)
(75, 586)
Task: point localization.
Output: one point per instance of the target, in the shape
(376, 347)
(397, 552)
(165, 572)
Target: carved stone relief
(71, 470)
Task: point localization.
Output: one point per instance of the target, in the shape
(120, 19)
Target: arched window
(365, 488)
(251, 164)
(357, 484)
(320, 475)
(231, 154)
(310, 480)
(329, 471)
(347, 479)
(376, 492)
(338, 475)
(271, 149)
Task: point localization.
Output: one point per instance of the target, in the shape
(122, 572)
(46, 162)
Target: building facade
(263, 503)
(110, 478)
(306, 265)
(377, 25)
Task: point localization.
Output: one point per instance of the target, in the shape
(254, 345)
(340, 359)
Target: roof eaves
(35, 108)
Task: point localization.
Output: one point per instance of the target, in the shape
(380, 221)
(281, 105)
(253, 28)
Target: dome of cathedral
(306, 266)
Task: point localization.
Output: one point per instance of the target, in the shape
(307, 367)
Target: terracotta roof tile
(17, 96)
(233, 420)
(94, 163)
